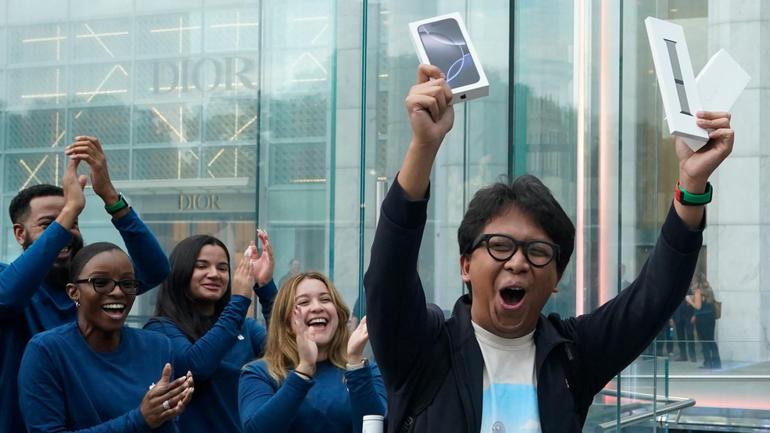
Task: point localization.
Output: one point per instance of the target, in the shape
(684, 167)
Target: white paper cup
(373, 424)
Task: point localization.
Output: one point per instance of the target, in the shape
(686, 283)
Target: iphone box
(676, 80)
(442, 41)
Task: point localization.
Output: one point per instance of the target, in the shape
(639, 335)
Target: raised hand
(357, 342)
(89, 149)
(74, 198)
(263, 265)
(307, 349)
(166, 399)
(697, 167)
(243, 278)
(429, 106)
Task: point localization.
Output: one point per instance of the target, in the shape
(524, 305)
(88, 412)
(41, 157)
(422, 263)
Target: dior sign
(206, 74)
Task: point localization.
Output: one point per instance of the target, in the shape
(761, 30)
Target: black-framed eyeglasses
(105, 285)
(502, 247)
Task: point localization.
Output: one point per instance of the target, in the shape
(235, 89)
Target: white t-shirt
(510, 383)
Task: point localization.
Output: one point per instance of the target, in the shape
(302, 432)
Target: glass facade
(220, 116)
(736, 242)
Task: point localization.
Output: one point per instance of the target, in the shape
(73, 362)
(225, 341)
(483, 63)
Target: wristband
(689, 199)
(117, 206)
(351, 367)
(304, 376)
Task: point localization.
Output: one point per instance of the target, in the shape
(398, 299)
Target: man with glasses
(32, 288)
(498, 364)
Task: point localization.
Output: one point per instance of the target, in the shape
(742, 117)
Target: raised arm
(617, 332)
(367, 391)
(263, 266)
(431, 116)
(266, 296)
(203, 356)
(150, 262)
(20, 280)
(367, 394)
(695, 168)
(400, 324)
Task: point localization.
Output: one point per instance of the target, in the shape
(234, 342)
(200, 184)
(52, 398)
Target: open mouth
(114, 310)
(512, 296)
(319, 323)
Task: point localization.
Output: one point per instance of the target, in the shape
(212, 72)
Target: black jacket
(574, 357)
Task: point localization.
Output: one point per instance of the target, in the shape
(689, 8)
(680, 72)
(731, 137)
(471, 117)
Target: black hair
(87, 253)
(19, 207)
(174, 300)
(529, 195)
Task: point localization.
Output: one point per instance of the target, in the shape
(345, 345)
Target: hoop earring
(77, 304)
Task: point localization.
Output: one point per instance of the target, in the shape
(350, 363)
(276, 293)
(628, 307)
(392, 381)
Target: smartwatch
(117, 206)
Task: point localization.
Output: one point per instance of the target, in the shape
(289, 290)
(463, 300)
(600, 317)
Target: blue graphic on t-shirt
(510, 408)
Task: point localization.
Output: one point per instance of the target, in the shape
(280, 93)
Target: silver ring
(166, 405)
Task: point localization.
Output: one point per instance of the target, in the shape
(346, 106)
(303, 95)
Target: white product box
(720, 82)
(681, 100)
(442, 41)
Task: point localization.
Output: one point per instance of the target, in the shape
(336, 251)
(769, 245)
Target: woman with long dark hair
(313, 377)
(203, 311)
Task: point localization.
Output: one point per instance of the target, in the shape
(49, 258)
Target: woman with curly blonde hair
(313, 376)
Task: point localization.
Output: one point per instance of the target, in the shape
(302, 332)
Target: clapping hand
(357, 342)
(243, 277)
(307, 348)
(90, 150)
(263, 264)
(74, 198)
(166, 399)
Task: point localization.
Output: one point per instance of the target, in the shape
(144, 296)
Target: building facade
(221, 116)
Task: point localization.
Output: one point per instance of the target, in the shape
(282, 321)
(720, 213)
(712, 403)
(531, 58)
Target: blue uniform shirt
(334, 401)
(29, 306)
(215, 361)
(64, 385)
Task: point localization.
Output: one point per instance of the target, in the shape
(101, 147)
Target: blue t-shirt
(215, 361)
(64, 385)
(29, 306)
(334, 401)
